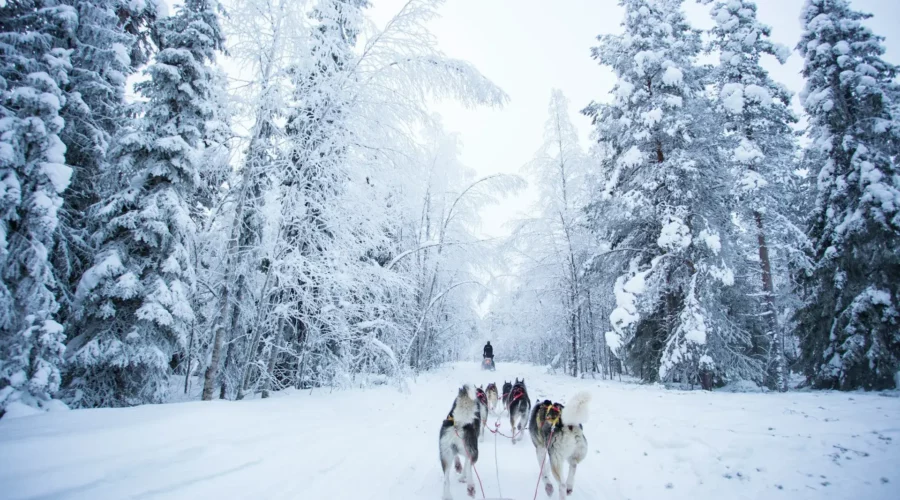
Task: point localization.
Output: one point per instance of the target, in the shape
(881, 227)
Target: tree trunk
(229, 355)
(187, 374)
(270, 368)
(776, 351)
(209, 382)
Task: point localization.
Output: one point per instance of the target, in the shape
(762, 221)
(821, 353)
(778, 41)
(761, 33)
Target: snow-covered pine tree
(94, 111)
(34, 66)
(849, 323)
(668, 205)
(136, 298)
(760, 148)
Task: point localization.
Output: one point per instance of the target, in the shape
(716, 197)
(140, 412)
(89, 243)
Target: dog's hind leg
(470, 483)
(512, 425)
(445, 466)
(556, 469)
(570, 480)
(470, 444)
(542, 458)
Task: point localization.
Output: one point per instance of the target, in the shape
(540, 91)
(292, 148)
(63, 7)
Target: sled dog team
(556, 432)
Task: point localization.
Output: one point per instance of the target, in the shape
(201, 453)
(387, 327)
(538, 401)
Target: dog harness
(481, 396)
(554, 421)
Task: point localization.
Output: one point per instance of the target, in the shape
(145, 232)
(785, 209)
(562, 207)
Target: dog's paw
(471, 490)
(568, 491)
(549, 489)
(458, 466)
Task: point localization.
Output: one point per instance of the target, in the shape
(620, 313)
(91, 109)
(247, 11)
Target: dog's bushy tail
(578, 409)
(464, 413)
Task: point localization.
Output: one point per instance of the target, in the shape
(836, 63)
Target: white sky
(529, 47)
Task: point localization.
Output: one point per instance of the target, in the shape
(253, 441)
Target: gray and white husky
(493, 398)
(459, 436)
(557, 431)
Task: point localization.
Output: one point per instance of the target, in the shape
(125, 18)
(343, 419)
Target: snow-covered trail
(645, 443)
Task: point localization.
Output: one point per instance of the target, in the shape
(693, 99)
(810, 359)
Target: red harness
(481, 396)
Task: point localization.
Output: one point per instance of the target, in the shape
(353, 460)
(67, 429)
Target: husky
(519, 407)
(481, 401)
(459, 436)
(504, 396)
(492, 397)
(558, 431)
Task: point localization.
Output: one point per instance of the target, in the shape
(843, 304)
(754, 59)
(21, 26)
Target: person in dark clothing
(488, 354)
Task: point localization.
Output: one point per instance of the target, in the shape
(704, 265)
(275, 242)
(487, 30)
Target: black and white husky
(519, 407)
(481, 402)
(459, 436)
(558, 431)
(504, 395)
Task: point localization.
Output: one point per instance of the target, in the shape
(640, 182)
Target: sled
(488, 364)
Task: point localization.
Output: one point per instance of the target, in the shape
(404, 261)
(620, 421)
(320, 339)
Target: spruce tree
(95, 109)
(34, 66)
(136, 298)
(759, 141)
(664, 206)
(849, 323)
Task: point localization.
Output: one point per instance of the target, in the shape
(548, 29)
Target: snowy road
(645, 443)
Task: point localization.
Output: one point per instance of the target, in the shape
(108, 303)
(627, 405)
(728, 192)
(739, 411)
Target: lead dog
(519, 407)
(459, 436)
(557, 431)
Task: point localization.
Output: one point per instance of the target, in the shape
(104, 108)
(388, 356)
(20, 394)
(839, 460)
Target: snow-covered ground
(645, 443)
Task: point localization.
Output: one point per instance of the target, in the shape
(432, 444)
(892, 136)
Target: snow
(109, 265)
(842, 47)
(672, 76)
(733, 97)
(19, 410)
(758, 94)
(632, 158)
(747, 152)
(59, 174)
(122, 54)
(624, 90)
(712, 240)
(674, 101)
(652, 117)
(674, 235)
(644, 442)
(724, 275)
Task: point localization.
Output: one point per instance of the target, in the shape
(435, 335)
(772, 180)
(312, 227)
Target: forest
(167, 222)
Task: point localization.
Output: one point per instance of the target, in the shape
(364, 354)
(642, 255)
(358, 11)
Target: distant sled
(488, 364)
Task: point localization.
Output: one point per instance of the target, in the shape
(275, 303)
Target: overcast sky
(529, 47)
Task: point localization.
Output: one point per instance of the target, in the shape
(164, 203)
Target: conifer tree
(849, 323)
(757, 118)
(136, 298)
(34, 67)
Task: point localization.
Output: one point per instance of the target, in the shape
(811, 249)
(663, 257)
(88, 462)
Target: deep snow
(645, 443)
